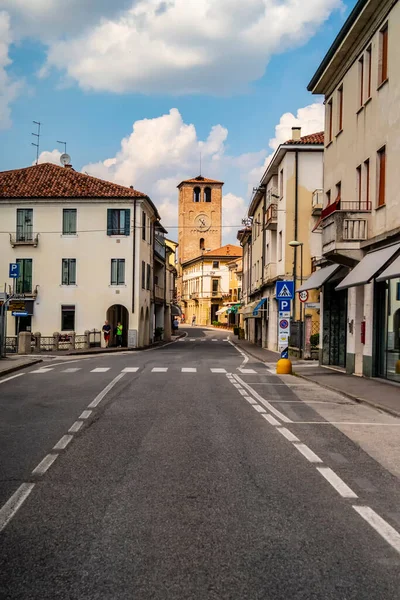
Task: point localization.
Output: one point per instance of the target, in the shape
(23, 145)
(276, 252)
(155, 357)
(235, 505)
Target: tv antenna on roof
(64, 144)
(37, 136)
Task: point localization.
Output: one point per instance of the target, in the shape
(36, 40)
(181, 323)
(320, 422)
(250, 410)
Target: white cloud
(9, 87)
(234, 208)
(170, 46)
(49, 157)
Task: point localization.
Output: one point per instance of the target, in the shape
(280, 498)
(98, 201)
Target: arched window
(202, 246)
(196, 194)
(207, 194)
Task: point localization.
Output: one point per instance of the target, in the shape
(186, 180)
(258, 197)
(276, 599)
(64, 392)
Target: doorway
(334, 326)
(118, 314)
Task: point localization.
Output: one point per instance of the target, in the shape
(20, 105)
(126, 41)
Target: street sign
(285, 353)
(284, 315)
(283, 324)
(284, 305)
(315, 305)
(14, 270)
(285, 290)
(303, 296)
(19, 314)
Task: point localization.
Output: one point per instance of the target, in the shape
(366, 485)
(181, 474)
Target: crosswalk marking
(218, 370)
(189, 370)
(182, 339)
(130, 370)
(192, 340)
(159, 369)
(42, 370)
(247, 371)
(214, 340)
(215, 370)
(71, 370)
(100, 370)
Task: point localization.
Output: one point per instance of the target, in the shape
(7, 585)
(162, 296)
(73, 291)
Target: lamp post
(295, 244)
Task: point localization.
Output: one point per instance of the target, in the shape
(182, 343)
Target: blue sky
(240, 80)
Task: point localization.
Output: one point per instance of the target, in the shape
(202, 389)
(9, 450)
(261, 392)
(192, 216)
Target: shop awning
(318, 278)
(234, 309)
(391, 272)
(368, 267)
(222, 310)
(175, 311)
(259, 306)
(247, 310)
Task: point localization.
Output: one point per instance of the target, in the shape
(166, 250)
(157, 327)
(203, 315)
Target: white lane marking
(259, 409)
(72, 370)
(237, 386)
(63, 442)
(345, 423)
(43, 370)
(340, 486)
(14, 503)
(250, 399)
(100, 370)
(242, 391)
(192, 339)
(159, 370)
(189, 370)
(271, 408)
(248, 371)
(75, 427)
(86, 414)
(202, 339)
(380, 525)
(181, 339)
(271, 420)
(44, 464)
(218, 370)
(130, 370)
(245, 357)
(104, 392)
(288, 434)
(12, 377)
(307, 453)
(214, 340)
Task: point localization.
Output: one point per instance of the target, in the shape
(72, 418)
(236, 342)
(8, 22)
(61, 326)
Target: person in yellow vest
(119, 331)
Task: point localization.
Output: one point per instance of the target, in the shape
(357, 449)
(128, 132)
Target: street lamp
(295, 244)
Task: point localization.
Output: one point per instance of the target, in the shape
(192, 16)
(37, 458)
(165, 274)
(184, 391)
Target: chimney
(296, 133)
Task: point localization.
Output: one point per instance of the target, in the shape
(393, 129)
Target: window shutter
(127, 221)
(109, 221)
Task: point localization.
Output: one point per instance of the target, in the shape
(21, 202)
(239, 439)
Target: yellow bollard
(284, 367)
(398, 367)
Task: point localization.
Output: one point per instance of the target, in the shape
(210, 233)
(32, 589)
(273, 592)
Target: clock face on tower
(202, 222)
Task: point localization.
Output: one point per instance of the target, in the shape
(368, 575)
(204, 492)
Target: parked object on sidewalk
(284, 367)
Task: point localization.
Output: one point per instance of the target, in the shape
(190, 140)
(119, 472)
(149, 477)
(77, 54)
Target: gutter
(134, 256)
(296, 227)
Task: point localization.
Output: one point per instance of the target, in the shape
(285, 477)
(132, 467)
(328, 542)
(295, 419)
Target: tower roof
(200, 179)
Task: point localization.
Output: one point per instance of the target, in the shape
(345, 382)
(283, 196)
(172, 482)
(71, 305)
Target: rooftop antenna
(37, 136)
(64, 144)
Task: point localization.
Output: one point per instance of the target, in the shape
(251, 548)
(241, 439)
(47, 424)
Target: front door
(334, 326)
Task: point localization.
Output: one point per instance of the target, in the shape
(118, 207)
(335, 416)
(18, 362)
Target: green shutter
(109, 221)
(127, 221)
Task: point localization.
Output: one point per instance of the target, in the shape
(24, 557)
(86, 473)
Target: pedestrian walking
(175, 325)
(106, 333)
(193, 320)
(119, 330)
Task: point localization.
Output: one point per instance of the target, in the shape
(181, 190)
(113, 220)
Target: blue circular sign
(284, 324)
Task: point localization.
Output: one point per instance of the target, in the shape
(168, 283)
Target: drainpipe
(134, 256)
(296, 217)
(264, 235)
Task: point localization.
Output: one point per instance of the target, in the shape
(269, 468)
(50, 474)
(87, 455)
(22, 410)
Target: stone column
(24, 342)
(87, 339)
(56, 341)
(307, 336)
(37, 337)
(72, 340)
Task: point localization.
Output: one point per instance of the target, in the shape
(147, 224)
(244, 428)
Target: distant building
(360, 221)
(86, 250)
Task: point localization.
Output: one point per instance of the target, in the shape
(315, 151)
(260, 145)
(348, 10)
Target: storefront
(387, 318)
(252, 314)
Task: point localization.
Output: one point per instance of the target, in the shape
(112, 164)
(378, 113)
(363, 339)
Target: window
(330, 120)
(207, 194)
(24, 281)
(361, 80)
(281, 184)
(117, 271)
(143, 225)
(69, 221)
(196, 194)
(381, 176)
(267, 261)
(215, 286)
(280, 246)
(328, 197)
(215, 264)
(143, 275)
(338, 192)
(68, 271)
(118, 221)
(148, 276)
(383, 57)
(24, 224)
(366, 184)
(359, 186)
(369, 67)
(67, 318)
(202, 244)
(340, 108)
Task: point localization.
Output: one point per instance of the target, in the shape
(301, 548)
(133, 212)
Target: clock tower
(200, 217)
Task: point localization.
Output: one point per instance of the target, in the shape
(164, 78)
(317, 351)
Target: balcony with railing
(271, 217)
(270, 272)
(317, 202)
(159, 292)
(24, 238)
(159, 246)
(344, 227)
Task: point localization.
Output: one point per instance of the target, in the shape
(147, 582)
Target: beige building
(360, 79)
(86, 251)
(285, 207)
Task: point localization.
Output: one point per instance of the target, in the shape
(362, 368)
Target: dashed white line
(271, 420)
(380, 525)
(12, 377)
(308, 453)
(63, 442)
(159, 369)
(250, 399)
(104, 392)
(267, 405)
(45, 464)
(218, 370)
(100, 370)
(214, 340)
(43, 370)
(248, 371)
(71, 370)
(340, 486)
(86, 414)
(130, 370)
(259, 408)
(14, 503)
(288, 434)
(75, 427)
(189, 370)
(192, 339)
(237, 385)
(242, 391)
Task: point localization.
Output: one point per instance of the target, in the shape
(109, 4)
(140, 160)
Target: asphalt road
(189, 472)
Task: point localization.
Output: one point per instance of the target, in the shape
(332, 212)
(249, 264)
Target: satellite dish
(65, 159)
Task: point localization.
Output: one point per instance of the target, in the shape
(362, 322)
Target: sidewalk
(262, 354)
(15, 363)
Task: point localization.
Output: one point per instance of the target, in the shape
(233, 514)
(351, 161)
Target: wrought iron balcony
(24, 239)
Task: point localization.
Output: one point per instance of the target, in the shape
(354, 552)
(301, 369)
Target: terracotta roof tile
(51, 181)
(228, 250)
(200, 179)
(313, 138)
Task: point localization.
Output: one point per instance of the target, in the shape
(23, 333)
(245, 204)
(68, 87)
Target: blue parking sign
(14, 271)
(284, 305)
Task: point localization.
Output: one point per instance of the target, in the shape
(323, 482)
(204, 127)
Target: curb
(20, 367)
(251, 353)
(357, 399)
